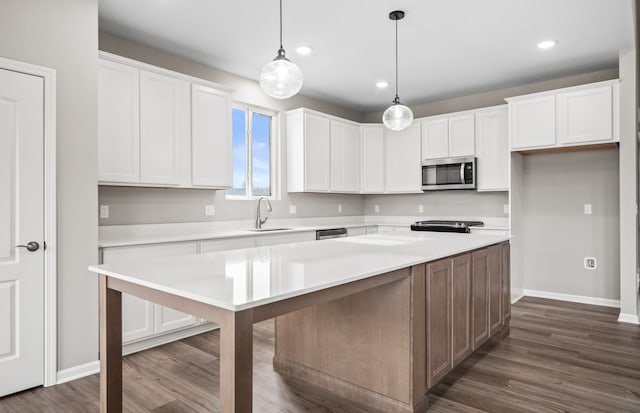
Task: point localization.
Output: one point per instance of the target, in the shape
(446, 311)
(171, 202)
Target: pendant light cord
(396, 59)
(281, 25)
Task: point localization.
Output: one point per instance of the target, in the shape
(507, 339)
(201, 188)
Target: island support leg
(110, 348)
(236, 362)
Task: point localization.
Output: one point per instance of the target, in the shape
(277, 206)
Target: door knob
(31, 246)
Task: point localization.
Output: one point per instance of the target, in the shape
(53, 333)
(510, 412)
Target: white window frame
(274, 152)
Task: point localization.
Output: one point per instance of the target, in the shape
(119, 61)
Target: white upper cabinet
(585, 116)
(345, 157)
(492, 149)
(533, 122)
(448, 136)
(580, 115)
(164, 123)
(462, 135)
(211, 138)
(402, 160)
(145, 120)
(372, 138)
(118, 123)
(435, 138)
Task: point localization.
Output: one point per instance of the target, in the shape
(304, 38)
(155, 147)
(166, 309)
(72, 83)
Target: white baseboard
(518, 298)
(605, 302)
(154, 341)
(628, 318)
(93, 367)
(78, 372)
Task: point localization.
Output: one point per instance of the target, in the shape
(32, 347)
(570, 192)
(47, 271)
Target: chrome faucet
(259, 221)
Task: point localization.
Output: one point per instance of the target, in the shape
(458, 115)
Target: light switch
(587, 209)
(292, 209)
(104, 211)
(376, 208)
(209, 210)
(505, 208)
(340, 208)
(420, 208)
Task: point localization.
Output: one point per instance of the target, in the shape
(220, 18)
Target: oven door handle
(462, 164)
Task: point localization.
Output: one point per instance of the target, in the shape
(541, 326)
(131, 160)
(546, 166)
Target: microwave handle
(462, 164)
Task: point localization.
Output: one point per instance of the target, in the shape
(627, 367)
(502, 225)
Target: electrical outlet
(421, 208)
(104, 211)
(587, 209)
(505, 208)
(292, 209)
(590, 263)
(340, 208)
(209, 210)
(376, 208)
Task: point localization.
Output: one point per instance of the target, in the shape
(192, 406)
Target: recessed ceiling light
(304, 50)
(382, 84)
(547, 44)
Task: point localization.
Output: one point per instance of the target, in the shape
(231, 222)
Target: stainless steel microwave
(449, 173)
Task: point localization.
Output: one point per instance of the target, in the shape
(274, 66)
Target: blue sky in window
(239, 134)
(261, 157)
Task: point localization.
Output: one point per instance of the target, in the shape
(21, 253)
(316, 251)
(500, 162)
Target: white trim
(78, 372)
(50, 253)
(605, 302)
(628, 318)
(518, 298)
(159, 340)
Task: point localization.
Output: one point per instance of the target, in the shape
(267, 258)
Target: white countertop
(127, 235)
(247, 278)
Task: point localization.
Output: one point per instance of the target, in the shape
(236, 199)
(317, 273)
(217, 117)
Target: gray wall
(152, 205)
(558, 235)
(446, 203)
(63, 35)
(497, 97)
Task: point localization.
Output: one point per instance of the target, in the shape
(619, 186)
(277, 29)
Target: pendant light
(397, 116)
(281, 78)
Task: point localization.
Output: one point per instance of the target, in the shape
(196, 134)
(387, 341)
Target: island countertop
(246, 278)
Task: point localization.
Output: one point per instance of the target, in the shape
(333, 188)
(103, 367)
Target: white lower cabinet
(285, 238)
(223, 244)
(141, 318)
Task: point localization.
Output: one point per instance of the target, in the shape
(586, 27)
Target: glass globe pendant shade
(281, 78)
(397, 116)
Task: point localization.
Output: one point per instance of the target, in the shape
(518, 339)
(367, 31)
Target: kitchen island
(365, 317)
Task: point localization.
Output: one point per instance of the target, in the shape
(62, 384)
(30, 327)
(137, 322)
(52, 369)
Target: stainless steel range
(445, 226)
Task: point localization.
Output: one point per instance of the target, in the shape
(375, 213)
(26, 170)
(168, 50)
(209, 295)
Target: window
(253, 161)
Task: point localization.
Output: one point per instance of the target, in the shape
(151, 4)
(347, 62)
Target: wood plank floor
(560, 357)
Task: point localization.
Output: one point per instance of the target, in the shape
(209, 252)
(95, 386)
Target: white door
(461, 135)
(402, 160)
(21, 222)
(435, 138)
(317, 153)
(372, 159)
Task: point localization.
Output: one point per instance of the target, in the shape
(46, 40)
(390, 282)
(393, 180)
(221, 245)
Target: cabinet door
(317, 153)
(438, 318)
(462, 135)
(224, 244)
(164, 117)
(480, 297)
(435, 138)
(533, 122)
(492, 149)
(353, 232)
(118, 123)
(494, 262)
(345, 157)
(286, 238)
(210, 137)
(585, 116)
(402, 160)
(506, 283)
(460, 309)
(141, 318)
(373, 159)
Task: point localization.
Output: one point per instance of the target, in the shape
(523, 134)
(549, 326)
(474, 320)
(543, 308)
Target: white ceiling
(447, 47)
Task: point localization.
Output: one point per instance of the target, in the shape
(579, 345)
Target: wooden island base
(387, 346)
